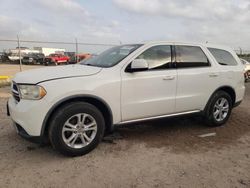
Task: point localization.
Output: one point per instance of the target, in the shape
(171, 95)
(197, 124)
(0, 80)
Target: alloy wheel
(221, 109)
(79, 130)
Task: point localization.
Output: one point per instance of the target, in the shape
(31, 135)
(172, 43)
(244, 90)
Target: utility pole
(76, 50)
(19, 53)
(240, 50)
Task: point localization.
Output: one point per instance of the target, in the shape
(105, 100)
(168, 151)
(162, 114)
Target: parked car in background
(80, 57)
(84, 56)
(4, 57)
(56, 59)
(247, 69)
(72, 57)
(33, 58)
(1, 56)
(13, 54)
(14, 57)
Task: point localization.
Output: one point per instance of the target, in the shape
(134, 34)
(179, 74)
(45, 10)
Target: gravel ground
(166, 153)
(10, 69)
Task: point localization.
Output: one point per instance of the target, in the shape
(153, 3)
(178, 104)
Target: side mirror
(138, 65)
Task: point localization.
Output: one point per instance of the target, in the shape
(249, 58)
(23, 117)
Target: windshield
(111, 56)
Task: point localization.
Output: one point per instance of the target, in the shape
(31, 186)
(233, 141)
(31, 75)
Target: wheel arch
(227, 89)
(94, 100)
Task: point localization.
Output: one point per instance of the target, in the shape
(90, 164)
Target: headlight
(32, 92)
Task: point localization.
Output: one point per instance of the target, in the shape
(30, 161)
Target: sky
(125, 21)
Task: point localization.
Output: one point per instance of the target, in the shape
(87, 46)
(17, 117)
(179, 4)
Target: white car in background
(73, 106)
(247, 68)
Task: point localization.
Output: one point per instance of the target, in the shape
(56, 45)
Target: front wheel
(76, 129)
(218, 109)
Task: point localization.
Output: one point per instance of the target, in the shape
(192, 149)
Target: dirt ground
(166, 153)
(10, 69)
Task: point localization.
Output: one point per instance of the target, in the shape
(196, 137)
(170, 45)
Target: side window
(158, 57)
(190, 56)
(223, 57)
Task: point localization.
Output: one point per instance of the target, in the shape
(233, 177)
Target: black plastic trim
(51, 110)
(205, 109)
(25, 135)
(237, 104)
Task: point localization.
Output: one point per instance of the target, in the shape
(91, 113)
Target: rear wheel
(218, 109)
(76, 129)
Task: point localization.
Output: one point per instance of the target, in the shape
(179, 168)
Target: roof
(208, 45)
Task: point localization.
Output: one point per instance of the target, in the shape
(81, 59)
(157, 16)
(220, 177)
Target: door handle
(168, 78)
(213, 75)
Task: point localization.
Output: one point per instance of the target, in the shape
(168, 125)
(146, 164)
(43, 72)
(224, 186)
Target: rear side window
(190, 56)
(158, 57)
(223, 57)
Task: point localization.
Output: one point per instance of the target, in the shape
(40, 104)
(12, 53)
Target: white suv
(73, 106)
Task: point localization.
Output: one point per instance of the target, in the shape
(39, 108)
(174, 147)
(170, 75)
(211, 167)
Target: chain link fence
(244, 54)
(13, 50)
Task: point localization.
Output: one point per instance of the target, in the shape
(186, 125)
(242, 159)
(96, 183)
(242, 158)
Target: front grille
(15, 92)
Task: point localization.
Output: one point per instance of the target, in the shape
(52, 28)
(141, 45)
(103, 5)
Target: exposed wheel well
(230, 91)
(226, 89)
(100, 104)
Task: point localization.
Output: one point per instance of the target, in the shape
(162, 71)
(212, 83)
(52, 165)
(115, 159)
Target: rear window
(223, 57)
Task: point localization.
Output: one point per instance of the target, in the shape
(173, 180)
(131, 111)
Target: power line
(59, 42)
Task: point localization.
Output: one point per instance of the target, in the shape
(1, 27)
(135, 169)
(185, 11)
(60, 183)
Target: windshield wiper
(88, 64)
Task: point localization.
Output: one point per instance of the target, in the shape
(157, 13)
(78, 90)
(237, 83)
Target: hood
(51, 73)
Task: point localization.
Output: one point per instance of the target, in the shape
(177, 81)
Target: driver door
(150, 93)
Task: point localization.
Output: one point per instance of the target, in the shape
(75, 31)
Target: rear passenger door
(197, 78)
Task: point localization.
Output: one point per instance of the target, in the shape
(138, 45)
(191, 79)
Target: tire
(70, 112)
(217, 115)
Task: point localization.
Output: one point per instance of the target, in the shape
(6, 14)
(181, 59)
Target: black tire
(62, 115)
(209, 112)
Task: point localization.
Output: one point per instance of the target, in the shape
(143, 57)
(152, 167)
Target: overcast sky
(114, 21)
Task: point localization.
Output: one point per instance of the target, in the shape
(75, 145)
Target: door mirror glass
(139, 65)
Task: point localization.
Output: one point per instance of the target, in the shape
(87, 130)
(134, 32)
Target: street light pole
(19, 53)
(76, 51)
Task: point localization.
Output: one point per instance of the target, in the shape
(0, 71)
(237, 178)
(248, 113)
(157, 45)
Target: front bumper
(28, 114)
(25, 135)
